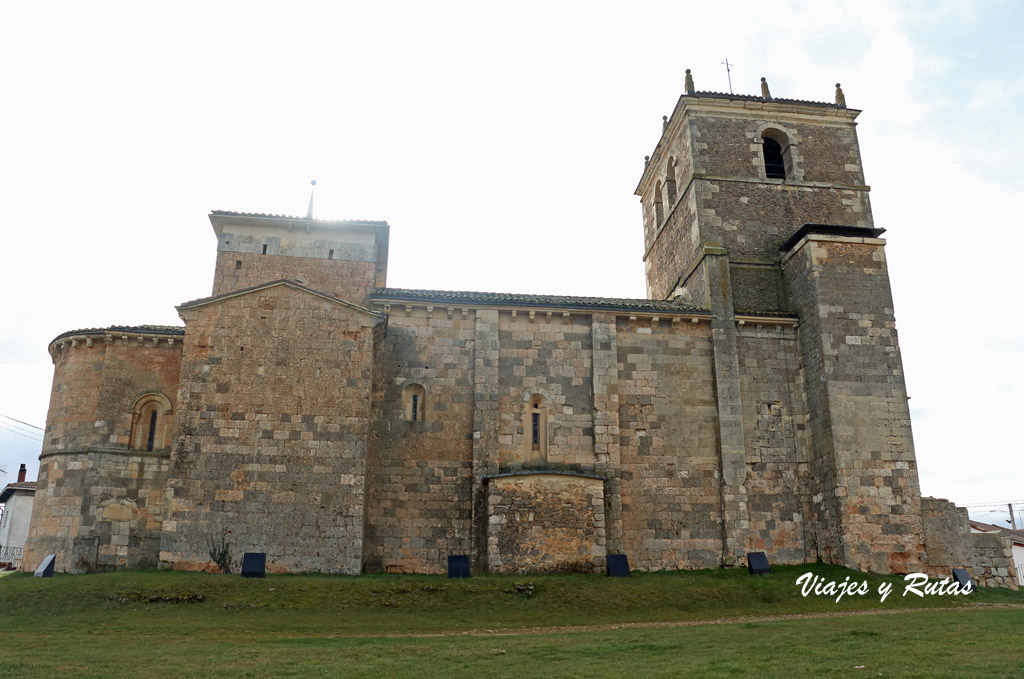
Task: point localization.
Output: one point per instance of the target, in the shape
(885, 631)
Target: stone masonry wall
(675, 248)
(550, 357)
(988, 557)
(545, 523)
(272, 439)
(99, 504)
(755, 219)
(419, 484)
(775, 442)
(670, 486)
(677, 148)
(757, 288)
(351, 281)
(866, 498)
(726, 145)
(98, 511)
(95, 387)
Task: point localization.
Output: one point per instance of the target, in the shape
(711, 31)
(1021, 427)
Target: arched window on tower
(659, 209)
(670, 182)
(774, 166)
(778, 154)
(151, 423)
(414, 402)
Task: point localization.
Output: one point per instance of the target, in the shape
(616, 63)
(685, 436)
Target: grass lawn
(166, 624)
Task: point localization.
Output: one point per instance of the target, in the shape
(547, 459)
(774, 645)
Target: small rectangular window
(264, 248)
(238, 264)
(330, 254)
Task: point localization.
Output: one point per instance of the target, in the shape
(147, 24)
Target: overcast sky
(503, 144)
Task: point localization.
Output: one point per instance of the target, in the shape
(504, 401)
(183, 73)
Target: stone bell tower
(757, 206)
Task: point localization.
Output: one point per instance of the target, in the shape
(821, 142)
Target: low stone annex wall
(545, 522)
(988, 557)
(98, 511)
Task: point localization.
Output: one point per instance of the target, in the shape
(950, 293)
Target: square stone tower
(757, 206)
(346, 259)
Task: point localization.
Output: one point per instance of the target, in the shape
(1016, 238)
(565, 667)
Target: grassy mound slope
(167, 624)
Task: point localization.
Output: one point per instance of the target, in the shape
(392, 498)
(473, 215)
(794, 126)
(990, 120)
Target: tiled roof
(1015, 535)
(751, 97)
(11, 487)
(263, 215)
(148, 329)
(528, 300)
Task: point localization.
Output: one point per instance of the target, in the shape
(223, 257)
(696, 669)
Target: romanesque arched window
(414, 402)
(777, 154)
(670, 182)
(659, 209)
(151, 422)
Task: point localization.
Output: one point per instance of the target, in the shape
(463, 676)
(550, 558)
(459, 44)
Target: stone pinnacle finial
(689, 82)
(664, 123)
(764, 89)
(309, 211)
(840, 97)
(647, 161)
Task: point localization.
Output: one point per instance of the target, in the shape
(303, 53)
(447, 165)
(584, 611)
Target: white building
(16, 499)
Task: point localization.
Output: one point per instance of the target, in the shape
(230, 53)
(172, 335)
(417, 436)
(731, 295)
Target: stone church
(755, 401)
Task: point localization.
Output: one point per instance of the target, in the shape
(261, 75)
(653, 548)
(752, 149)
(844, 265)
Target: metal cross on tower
(728, 73)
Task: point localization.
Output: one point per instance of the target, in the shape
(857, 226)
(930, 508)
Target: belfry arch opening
(670, 182)
(659, 208)
(776, 154)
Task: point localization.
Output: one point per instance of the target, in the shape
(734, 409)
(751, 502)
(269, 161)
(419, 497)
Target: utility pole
(1013, 519)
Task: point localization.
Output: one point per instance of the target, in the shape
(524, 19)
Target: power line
(20, 422)
(996, 504)
(20, 433)
(26, 428)
(20, 429)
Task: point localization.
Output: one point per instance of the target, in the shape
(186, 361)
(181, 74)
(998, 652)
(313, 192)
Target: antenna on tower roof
(309, 211)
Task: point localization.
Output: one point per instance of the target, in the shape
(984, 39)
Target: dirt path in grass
(692, 623)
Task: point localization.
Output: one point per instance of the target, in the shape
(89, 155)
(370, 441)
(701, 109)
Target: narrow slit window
(534, 444)
(152, 431)
(264, 248)
(414, 402)
(659, 209)
(670, 182)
